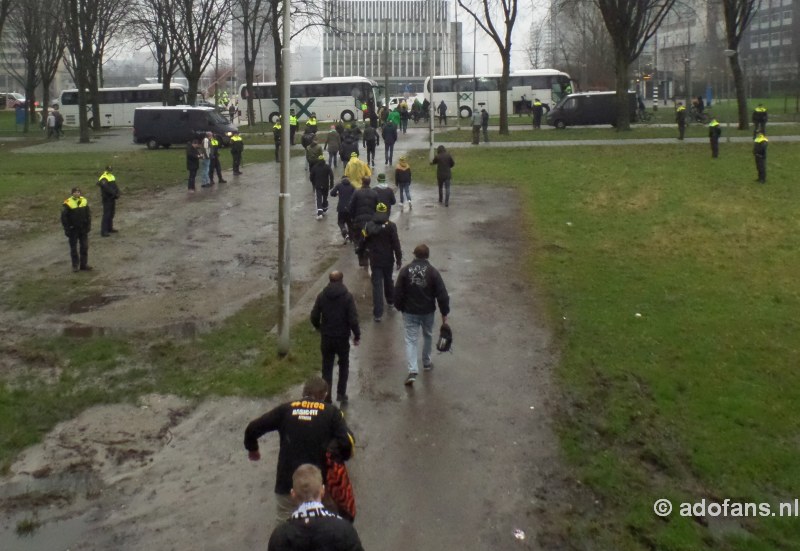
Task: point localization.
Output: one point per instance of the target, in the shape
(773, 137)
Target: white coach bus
(117, 105)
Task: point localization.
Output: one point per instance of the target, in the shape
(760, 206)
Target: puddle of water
(92, 302)
(51, 536)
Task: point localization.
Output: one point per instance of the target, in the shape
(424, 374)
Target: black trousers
(107, 222)
(761, 167)
(714, 147)
(681, 131)
(214, 166)
(371, 152)
(321, 195)
(237, 160)
(192, 177)
(79, 248)
(330, 348)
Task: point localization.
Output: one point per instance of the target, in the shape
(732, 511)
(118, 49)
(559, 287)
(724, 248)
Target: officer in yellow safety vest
(311, 123)
(714, 131)
(292, 126)
(760, 154)
(237, 147)
(214, 165)
(538, 109)
(759, 120)
(680, 118)
(276, 134)
(77, 222)
(109, 193)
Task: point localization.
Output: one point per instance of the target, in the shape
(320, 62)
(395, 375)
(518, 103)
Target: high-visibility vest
(236, 138)
(76, 204)
(214, 142)
(312, 121)
(761, 138)
(292, 120)
(761, 109)
(680, 108)
(713, 123)
(108, 176)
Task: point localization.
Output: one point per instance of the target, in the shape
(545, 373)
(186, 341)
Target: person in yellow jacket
(311, 123)
(109, 193)
(356, 169)
(76, 218)
(292, 126)
(277, 128)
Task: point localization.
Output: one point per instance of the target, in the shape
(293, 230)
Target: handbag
(339, 487)
(445, 341)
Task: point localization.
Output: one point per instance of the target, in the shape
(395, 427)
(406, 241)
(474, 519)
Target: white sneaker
(319, 217)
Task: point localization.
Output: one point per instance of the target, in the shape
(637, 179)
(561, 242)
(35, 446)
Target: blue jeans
(388, 150)
(412, 324)
(205, 164)
(405, 188)
(381, 285)
(333, 158)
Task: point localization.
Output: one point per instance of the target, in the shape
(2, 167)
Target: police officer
(292, 126)
(276, 134)
(214, 164)
(759, 120)
(109, 193)
(680, 118)
(237, 147)
(77, 222)
(760, 154)
(714, 131)
(311, 123)
(538, 109)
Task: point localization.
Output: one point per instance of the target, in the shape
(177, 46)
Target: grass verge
(696, 398)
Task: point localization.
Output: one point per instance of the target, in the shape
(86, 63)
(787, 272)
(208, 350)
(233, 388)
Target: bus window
(484, 84)
(69, 98)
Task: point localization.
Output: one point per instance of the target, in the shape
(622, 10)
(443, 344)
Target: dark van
(163, 126)
(587, 108)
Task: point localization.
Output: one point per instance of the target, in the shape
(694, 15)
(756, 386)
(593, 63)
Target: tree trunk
(249, 78)
(741, 97)
(623, 109)
(504, 94)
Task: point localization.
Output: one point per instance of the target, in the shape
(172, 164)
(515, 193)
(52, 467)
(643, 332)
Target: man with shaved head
(335, 316)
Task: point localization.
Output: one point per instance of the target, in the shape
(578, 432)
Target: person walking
(485, 124)
(760, 154)
(362, 208)
(402, 179)
(344, 191)
(371, 141)
(193, 156)
(321, 176)
(442, 109)
(237, 147)
(313, 150)
(417, 291)
(538, 110)
(389, 133)
(356, 170)
(51, 125)
(349, 146)
(307, 428)
(404, 116)
(476, 128)
(214, 164)
(680, 118)
(76, 218)
(333, 141)
(714, 132)
(311, 525)
(277, 130)
(760, 119)
(109, 193)
(444, 173)
(335, 316)
(385, 193)
(311, 123)
(382, 244)
(205, 161)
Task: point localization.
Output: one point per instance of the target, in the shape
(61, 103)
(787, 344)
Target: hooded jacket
(362, 206)
(444, 163)
(314, 528)
(382, 241)
(321, 175)
(334, 313)
(402, 174)
(333, 142)
(344, 191)
(389, 133)
(386, 196)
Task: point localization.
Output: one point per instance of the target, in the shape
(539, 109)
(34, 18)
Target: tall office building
(391, 38)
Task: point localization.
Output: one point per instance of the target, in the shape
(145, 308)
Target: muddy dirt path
(462, 461)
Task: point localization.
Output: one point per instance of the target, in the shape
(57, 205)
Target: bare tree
(196, 28)
(110, 18)
(485, 20)
(51, 50)
(4, 6)
(631, 23)
(535, 48)
(583, 45)
(738, 16)
(77, 30)
(254, 16)
(24, 30)
(150, 25)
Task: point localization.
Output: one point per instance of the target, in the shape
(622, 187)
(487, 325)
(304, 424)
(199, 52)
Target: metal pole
(474, 58)
(432, 54)
(457, 42)
(284, 248)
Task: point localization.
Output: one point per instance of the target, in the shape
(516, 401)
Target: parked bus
(332, 98)
(117, 105)
(548, 85)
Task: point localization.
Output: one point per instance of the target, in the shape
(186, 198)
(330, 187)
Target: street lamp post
(487, 62)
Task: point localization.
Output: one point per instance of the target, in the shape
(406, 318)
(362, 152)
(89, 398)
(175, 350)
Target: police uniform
(109, 193)
(760, 154)
(538, 109)
(276, 134)
(714, 131)
(76, 218)
(680, 118)
(237, 147)
(311, 124)
(292, 126)
(760, 120)
(214, 165)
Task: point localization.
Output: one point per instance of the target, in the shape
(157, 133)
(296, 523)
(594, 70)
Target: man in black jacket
(383, 246)
(362, 209)
(77, 222)
(321, 177)
(308, 428)
(335, 316)
(444, 172)
(312, 527)
(418, 289)
(344, 191)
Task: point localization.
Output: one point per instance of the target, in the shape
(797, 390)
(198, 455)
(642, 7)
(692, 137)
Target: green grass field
(694, 399)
